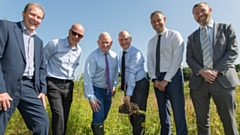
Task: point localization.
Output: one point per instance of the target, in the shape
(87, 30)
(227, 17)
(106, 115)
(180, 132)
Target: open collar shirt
(61, 58)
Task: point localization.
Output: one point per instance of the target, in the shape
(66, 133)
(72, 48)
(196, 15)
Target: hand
(5, 101)
(95, 105)
(113, 92)
(162, 85)
(127, 99)
(42, 96)
(208, 75)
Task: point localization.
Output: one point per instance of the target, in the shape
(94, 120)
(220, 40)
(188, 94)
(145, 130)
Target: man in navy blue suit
(22, 71)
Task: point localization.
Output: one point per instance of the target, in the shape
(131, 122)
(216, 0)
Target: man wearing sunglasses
(62, 57)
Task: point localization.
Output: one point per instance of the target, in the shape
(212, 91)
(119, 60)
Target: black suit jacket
(13, 59)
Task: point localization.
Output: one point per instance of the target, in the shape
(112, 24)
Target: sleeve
(89, 72)
(42, 72)
(3, 39)
(231, 52)
(150, 61)
(136, 64)
(116, 75)
(177, 57)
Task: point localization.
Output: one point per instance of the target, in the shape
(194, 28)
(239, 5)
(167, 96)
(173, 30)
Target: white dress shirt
(134, 68)
(171, 54)
(95, 72)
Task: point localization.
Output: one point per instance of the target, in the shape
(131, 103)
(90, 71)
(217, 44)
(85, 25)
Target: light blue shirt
(61, 59)
(95, 72)
(134, 67)
(28, 41)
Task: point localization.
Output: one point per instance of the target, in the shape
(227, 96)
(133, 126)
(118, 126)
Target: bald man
(62, 57)
(136, 85)
(100, 80)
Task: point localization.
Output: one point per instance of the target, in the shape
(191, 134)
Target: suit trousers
(106, 101)
(30, 107)
(59, 93)
(172, 96)
(140, 96)
(224, 99)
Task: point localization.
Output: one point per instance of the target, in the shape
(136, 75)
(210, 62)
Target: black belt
(58, 80)
(27, 78)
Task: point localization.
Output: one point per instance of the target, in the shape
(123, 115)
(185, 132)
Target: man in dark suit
(211, 53)
(22, 71)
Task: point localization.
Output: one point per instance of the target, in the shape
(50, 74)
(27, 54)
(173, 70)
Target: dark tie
(158, 57)
(123, 71)
(107, 74)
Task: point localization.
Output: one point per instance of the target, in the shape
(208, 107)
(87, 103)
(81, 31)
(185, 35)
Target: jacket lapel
(216, 33)
(19, 36)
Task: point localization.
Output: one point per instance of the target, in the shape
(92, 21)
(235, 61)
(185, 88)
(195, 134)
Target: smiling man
(212, 50)
(22, 71)
(62, 57)
(100, 80)
(164, 60)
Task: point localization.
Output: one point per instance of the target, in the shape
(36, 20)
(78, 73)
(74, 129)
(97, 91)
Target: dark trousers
(59, 93)
(31, 108)
(106, 101)
(172, 96)
(140, 95)
(224, 98)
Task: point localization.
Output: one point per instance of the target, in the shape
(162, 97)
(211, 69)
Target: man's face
(202, 14)
(32, 18)
(158, 22)
(75, 35)
(104, 42)
(124, 40)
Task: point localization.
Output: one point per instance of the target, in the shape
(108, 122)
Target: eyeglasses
(75, 33)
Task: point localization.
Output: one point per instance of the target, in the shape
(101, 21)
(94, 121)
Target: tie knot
(159, 36)
(124, 52)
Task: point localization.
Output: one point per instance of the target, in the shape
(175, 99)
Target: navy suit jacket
(225, 52)
(13, 59)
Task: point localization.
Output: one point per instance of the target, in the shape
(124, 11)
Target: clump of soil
(128, 108)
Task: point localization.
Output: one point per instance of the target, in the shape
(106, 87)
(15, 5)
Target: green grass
(118, 124)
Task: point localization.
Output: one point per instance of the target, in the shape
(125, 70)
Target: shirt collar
(210, 24)
(25, 30)
(128, 49)
(66, 44)
(102, 53)
(163, 32)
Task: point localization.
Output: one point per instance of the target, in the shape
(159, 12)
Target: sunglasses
(75, 33)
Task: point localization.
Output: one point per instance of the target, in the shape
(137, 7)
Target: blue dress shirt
(95, 72)
(134, 68)
(61, 59)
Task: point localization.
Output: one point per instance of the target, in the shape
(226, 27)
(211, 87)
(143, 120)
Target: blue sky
(116, 15)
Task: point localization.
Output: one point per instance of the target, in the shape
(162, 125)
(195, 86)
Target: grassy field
(118, 124)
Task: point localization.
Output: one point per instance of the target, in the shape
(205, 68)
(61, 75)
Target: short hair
(105, 34)
(155, 12)
(199, 3)
(28, 6)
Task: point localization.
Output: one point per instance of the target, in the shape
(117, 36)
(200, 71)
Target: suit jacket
(13, 59)
(225, 52)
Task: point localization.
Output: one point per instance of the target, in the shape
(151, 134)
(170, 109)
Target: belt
(59, 80)
(27, 78)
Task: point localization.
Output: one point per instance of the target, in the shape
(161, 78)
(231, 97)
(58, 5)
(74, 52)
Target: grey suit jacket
(13, 59)
(225, 52)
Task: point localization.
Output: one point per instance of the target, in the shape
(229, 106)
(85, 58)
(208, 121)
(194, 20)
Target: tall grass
(118, 124)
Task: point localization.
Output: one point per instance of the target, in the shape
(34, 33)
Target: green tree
(186, 73)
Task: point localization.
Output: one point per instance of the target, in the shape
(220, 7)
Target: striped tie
(206, 44)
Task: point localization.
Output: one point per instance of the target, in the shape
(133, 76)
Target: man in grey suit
(22, 71)
(211, 52)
